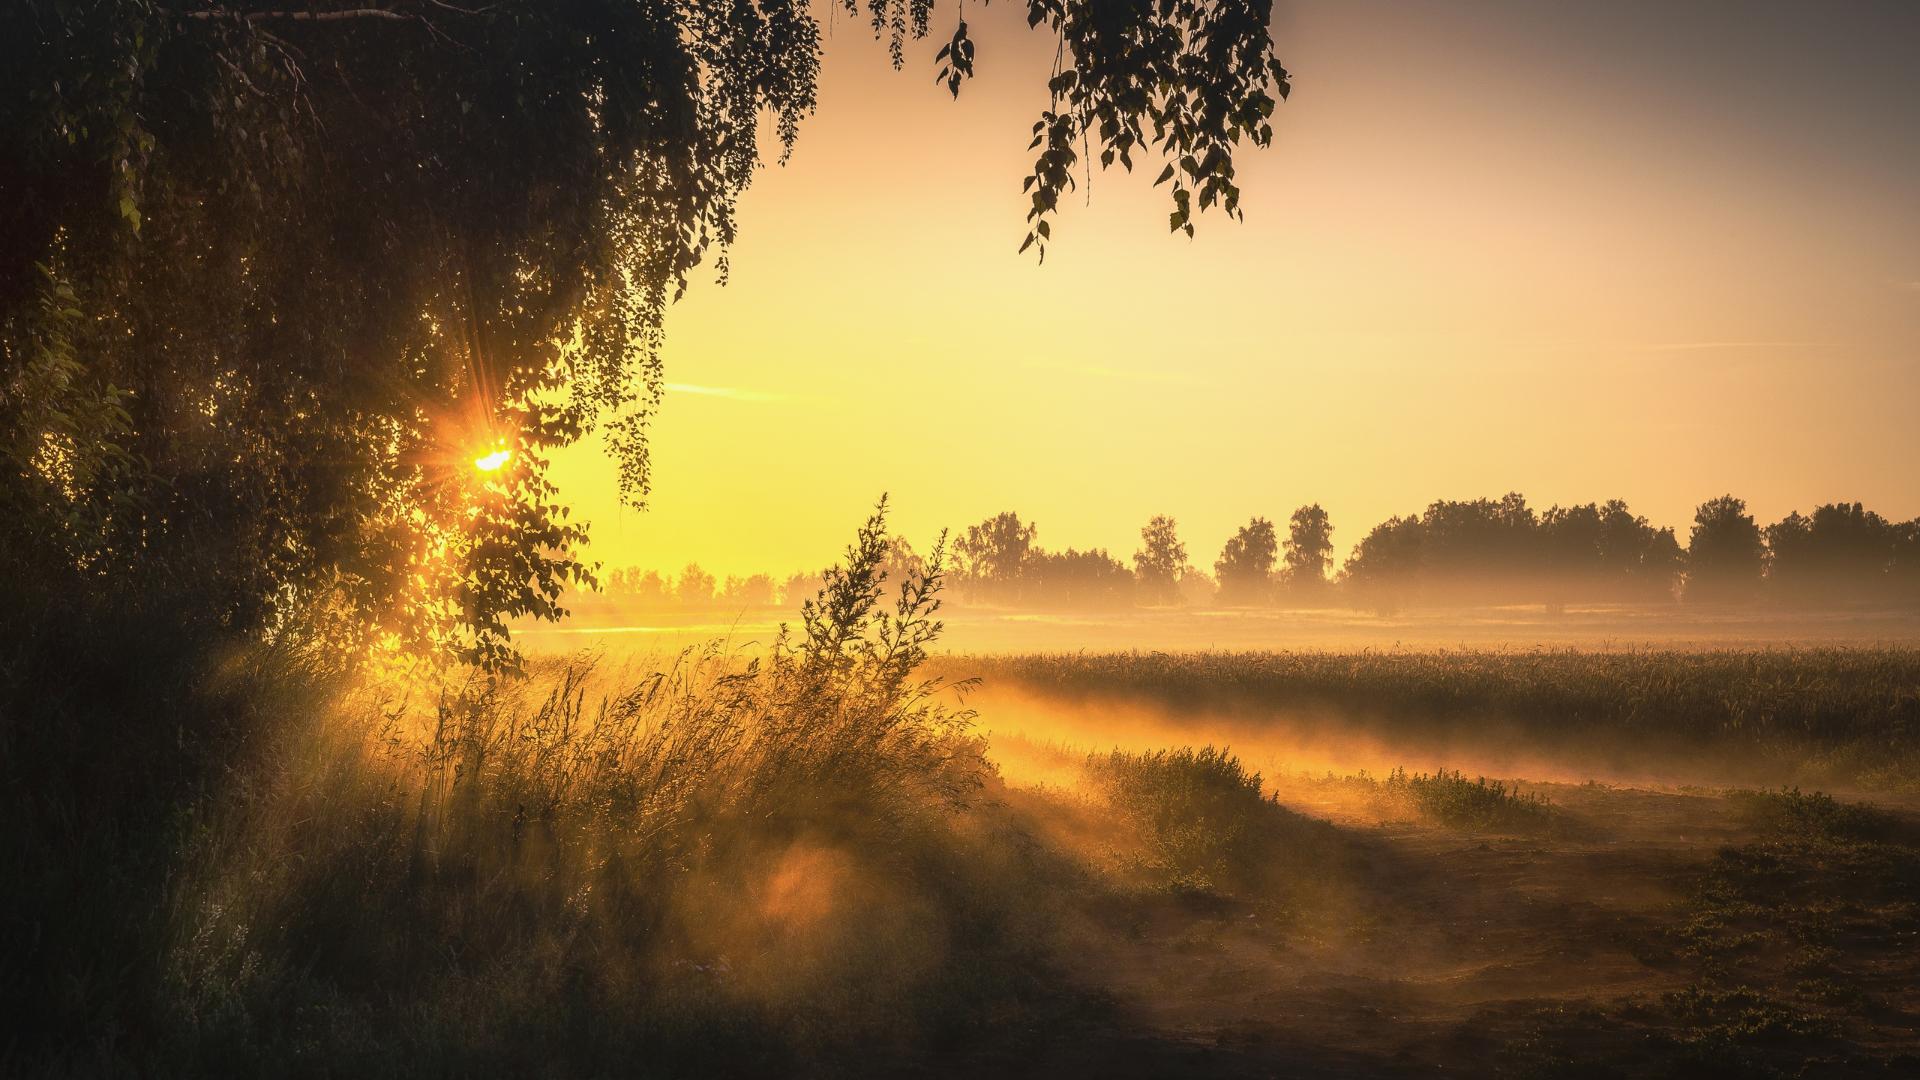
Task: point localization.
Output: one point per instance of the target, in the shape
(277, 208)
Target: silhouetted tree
(1384, 570)
(1725, 555)
(1480, 550)
(1308, 554)
(641, 588)
(799, 587)
(274, 276)
(1569, 563)
(754, 590)
(1196, 589)
(1245, 567)
(1594, 551)
(1645, 563)
(1843, 553)
(1158, 564)
(990, 559)
(1903, 569)
(1080, 580)
(694, 588)
(901, 563)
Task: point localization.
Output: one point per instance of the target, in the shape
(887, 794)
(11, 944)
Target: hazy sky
(1648, 250)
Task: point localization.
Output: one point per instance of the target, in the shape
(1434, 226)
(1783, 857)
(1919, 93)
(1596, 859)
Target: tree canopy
(296, 299)
(1501, 550)
(1245, 566)
(1726, 552)
(1308, 552)
(1161, 560)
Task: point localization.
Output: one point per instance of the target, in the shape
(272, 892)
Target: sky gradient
(1638, 250)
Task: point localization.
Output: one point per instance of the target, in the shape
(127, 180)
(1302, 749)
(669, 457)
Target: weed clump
(1450, 799)
(1197, 812)
(1813, 816)
(1199, 822)
(1442, 797)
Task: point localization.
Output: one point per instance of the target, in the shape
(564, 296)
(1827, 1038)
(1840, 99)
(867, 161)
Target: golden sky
(1576, 251)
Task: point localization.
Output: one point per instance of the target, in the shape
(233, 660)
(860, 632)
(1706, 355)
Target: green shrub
(1198, 813)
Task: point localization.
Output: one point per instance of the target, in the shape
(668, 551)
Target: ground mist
(807, 858)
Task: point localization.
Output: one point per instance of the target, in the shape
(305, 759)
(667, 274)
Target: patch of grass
(1197, 813)
(1813, 816)
(728, 866)
(1450, 799)
(1445, 798)
(1202, 821)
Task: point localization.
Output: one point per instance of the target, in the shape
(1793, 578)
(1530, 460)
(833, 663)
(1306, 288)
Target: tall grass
(732, 864)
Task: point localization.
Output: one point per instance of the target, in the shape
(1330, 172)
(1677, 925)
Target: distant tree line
(1503, 551)
(1480, 551)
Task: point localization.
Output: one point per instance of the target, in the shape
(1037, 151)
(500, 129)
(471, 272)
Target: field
(842, 856)
(1446, 602)
(1598, 865)
(600, 623)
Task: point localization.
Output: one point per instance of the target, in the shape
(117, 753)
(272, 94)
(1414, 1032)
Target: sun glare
(493, 461)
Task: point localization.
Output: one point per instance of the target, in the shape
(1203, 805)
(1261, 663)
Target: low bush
(1449, 798)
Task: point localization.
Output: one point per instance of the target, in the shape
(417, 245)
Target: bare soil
(1649, 933)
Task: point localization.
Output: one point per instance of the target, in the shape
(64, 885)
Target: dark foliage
(1489, 550)
(273, 278)
(1245, 567)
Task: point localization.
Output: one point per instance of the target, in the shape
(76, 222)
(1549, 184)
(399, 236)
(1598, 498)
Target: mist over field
(843, 538)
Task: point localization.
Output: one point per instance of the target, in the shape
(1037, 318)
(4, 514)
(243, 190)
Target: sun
(493, 461)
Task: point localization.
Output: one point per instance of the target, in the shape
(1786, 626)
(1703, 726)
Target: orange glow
(492, 462)
(1463, 271)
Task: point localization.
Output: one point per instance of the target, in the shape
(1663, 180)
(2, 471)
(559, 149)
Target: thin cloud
(727, 392)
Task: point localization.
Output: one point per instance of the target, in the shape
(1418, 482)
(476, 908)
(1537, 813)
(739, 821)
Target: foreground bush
(1197, 813)
(1196, 821)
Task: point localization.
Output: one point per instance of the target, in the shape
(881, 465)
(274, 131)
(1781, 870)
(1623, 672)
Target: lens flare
(493, 461)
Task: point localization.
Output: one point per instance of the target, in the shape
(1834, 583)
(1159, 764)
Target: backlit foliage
(274, 277)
